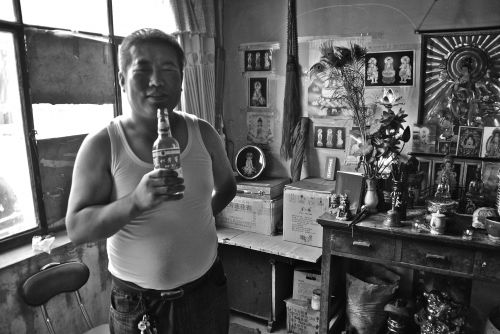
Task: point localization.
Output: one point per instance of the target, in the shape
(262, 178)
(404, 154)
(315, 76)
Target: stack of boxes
(257, 206)
(300, 317)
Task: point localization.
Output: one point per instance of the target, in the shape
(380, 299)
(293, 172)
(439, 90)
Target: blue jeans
(202, 309)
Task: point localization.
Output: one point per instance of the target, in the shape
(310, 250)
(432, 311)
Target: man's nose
(156, 78)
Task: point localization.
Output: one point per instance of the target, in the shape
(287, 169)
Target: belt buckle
(172, 294)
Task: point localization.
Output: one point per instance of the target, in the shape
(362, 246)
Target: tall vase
(371, 196)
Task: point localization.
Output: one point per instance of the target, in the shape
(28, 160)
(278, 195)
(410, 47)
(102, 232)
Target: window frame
(17, 29)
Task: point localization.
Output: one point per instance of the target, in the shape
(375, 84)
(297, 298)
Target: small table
(260, 272)
(370, 240)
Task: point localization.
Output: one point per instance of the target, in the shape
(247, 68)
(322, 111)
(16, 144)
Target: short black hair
(149, 35)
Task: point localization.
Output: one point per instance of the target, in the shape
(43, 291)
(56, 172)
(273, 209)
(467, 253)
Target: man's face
(152, 79)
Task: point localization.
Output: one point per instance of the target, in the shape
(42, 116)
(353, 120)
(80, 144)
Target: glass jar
(315, 300)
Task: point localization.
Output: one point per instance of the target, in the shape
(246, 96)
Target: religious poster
(329, 137)
(260, 127)
(469, 141)
(491, 142)
(424, 138)
(258, 92)
(395, 68)
(258, 60)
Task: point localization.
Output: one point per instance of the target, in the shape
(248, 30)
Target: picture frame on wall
(258, 93)
(455, 66)
(469, 141)
(329, 137)
(392, 68)
(436, 173)
(490, 179)
(491, 142)
(425, 166)
(424, 138)
(258, 60)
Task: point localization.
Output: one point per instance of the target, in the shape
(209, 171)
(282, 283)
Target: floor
(256, 323)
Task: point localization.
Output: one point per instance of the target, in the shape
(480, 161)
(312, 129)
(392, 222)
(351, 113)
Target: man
(160, 230)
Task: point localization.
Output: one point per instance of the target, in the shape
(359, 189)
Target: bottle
(166, 149)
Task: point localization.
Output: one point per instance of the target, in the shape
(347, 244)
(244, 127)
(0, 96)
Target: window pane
(7, 11)
(76, 15)
(71, 81)
(128, 16)
(17, 211)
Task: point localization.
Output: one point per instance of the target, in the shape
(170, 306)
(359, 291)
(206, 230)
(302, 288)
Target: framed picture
(250, 162)
(424, 138)
(329, 137)
(490, 179)
(469, 141)
(394, 68)
(437, 171)
(258, 60)
(330, 167)
(491, 142)
(425, 166)
(257, 92)
(470, 169)
(457, 67)
(445, 147)
(260, 126)
(354, 142)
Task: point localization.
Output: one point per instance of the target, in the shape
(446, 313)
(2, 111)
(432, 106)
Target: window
(58, 82)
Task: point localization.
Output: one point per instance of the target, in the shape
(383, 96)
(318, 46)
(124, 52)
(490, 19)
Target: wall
(19, 318)
(389, 24)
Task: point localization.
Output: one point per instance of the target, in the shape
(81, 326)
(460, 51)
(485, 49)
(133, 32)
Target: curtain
(196, 28)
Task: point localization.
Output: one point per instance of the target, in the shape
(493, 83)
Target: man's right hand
(158, 186)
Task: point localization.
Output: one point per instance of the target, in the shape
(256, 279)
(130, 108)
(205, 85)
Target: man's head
(148, 35)
(151, 66)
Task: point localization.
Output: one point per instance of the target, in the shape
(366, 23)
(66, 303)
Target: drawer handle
(360, 243)
(435, 257)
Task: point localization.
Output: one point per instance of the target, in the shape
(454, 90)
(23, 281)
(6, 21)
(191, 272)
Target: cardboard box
(305, 280)
(303, 202)
(252, 214)
(268, 188)
(301, 318)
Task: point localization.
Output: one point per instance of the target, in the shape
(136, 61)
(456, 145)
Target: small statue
(334, 204)
(344, 213)
(476, 185)
(443, 188)
(447, 169)
(441, 315)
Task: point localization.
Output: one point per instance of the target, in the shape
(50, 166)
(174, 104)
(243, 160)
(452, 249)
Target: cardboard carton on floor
(305, 280)
(303, 202)
(301, 318)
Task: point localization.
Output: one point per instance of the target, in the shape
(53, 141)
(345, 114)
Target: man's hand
(158, 186)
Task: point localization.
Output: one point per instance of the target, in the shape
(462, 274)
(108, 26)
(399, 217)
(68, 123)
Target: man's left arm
(224, 181)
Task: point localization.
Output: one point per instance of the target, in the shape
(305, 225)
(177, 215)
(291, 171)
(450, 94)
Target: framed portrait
(258, 60)
(260, 126)
(258, 92)
(491, 142)
(424, 138)
(469, 141)
(394, 68)
(490, 179)
(437, 170)
(330, 168)
(250, 162)
(445, 147)
(425, 166)
(329, 137)
(470, 169)
(457, 70)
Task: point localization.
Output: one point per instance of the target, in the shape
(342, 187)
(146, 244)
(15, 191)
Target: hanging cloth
(292, 101)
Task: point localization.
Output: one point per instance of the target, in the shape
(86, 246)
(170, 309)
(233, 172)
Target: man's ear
(121, 79)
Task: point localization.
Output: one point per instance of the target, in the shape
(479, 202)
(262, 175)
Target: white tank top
(176, 242)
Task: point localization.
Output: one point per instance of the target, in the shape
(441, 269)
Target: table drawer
(367, 245)
(488, 265)
(436, 256)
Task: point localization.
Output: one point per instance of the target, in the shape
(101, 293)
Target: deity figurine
(447, 168)
(334, 204)
(441, 315)
(344, 212)
(443, 188)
